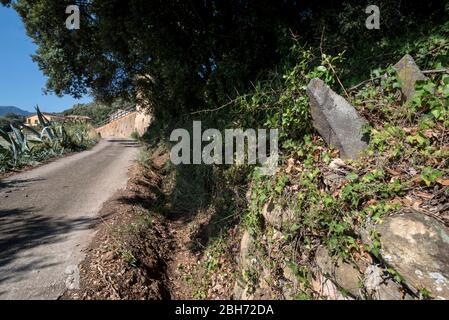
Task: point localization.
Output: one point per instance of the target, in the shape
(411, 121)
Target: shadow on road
(22, 229)
(127, 143)
(16, 183)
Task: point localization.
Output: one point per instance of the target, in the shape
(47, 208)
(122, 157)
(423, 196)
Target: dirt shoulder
(144, 249)
(126, 259)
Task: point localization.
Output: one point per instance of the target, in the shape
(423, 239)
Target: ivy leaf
(445, 79)
(429, 87)
(352, 176)
(436, 113)
(430, 175)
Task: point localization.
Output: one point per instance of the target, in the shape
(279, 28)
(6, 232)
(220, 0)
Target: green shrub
(135, 135)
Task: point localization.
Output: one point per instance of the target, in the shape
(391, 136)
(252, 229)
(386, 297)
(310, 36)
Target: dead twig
(379, 77)
(338, 79)
(215, 109)
(436, 71)
(363, 82)
(322, 40)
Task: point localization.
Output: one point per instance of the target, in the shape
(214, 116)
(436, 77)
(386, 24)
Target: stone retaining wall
(125, 126)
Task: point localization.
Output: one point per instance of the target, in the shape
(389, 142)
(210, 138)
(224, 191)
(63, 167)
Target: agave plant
(16, 143)
(27, 143)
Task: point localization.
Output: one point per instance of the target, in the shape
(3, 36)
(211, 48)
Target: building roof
(61, 116)
(76, 117)
(46, 114)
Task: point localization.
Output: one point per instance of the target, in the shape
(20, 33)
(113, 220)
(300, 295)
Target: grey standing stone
(336, 120)
(417, 246)
(408, 73)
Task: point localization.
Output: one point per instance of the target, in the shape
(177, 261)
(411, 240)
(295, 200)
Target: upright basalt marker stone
(336, 120)
(408, 73)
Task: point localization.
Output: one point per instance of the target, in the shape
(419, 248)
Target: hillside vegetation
(405, 166)
(315, 199)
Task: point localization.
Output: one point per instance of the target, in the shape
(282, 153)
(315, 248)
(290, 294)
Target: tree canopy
(183, 54)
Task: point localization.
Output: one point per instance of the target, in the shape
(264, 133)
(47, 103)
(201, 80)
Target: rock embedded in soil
(408, 73)
(247, 247)
(325, 288)
(379, 285)
(417, 247)
(334, 176)
(336, 120)
(289, 287)
(345, 275)
(279, 217)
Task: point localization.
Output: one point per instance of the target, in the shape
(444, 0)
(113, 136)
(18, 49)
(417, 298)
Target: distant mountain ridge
(11, 109)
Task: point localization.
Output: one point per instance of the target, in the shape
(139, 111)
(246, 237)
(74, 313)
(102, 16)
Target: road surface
(48, 214)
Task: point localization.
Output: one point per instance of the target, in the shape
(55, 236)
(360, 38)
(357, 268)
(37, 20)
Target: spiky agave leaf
(79, 136)
(5, 136)
(10, 141)
(15, 148)
(20, 139)
(64, 136)
(3, 148)
(45, 123)
(34, 142)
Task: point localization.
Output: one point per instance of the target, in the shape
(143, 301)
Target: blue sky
(21, 81)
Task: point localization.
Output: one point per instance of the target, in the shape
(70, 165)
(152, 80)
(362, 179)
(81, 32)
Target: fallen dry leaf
(393, 172)
(443, 182)
(295, 187)
(411, 130)
(408, 201)
(429, 133)
(290, 164)
(424, 195)
(416, 204)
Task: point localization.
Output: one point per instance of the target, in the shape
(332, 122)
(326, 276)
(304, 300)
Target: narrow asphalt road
(48, 214)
